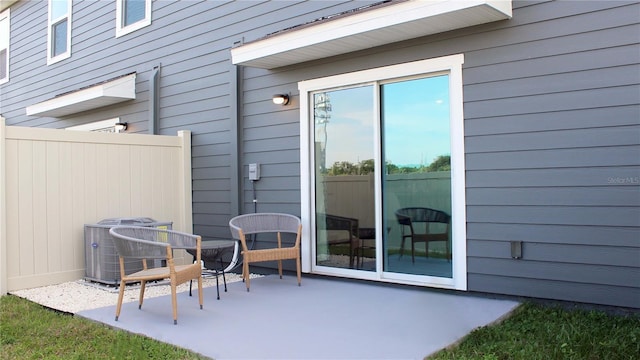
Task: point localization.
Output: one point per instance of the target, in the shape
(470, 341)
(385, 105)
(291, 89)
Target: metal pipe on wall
(154, 100)
(236, 138)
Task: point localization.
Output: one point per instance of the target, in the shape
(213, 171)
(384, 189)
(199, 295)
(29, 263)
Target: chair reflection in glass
(347, 229)
(415, 221)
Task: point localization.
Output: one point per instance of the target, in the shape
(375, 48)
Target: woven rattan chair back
(263, 223)
(251, 224)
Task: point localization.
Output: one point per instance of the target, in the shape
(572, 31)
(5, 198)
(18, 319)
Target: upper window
(132, 15)
(59, 40)
(5, 30)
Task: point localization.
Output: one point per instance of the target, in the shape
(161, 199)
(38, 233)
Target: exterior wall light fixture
(120, 126)
(281, 99)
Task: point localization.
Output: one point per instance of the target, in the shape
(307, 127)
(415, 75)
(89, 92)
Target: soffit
(92, 97)
(377, 25)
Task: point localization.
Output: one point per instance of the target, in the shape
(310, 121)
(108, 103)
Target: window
(59, 28)
(5, 30)
(391, 141)
(132, 15)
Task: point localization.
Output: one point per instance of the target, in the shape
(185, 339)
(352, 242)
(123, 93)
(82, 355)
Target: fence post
(185, 181)
(3, 211)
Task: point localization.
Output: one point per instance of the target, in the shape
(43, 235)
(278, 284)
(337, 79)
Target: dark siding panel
(558, 271)
(523, 178)
(561, 290)
(598, 138)
(559, 254)
(554, 234)
(553, 214)
(580, 196)
(555, 158)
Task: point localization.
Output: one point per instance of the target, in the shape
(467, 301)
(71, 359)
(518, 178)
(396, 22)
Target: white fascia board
(108, 93)
(388, 24)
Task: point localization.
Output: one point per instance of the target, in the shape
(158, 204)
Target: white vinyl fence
(53, 182)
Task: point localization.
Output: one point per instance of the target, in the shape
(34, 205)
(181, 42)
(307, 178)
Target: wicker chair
(248, 224)
(410, 217)
(147, 243)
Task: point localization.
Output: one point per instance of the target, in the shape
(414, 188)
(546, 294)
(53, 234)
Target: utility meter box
(102, 263)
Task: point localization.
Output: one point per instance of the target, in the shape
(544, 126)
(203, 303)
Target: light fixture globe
(281, 99)
(120, 126)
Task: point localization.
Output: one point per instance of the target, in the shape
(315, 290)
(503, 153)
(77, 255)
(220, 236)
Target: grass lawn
(551, 332)
(30, 331)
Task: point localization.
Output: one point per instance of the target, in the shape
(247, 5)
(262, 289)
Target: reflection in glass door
(344, 156)
(416, 183)
(415, 186)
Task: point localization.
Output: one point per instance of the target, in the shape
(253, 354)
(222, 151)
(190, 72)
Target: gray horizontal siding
(559, 271)
(554, 234)
(552, 142)
(537, 254)
(560, 290)
(613, 196)
(595, 176)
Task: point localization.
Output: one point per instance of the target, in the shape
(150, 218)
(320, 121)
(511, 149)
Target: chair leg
(190, 286)
(174, 303)
(200, 290)
(413, 257)
(120, 297)
(280, 268)
(298, 267)
(245, 273)
(224, 279)
(142, 287)
(217, 284)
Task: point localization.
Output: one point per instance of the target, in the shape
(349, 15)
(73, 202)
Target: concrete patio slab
(325, 318)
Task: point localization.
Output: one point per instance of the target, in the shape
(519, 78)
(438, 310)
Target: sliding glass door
(416, 183)
(344, 155)
(385, 201)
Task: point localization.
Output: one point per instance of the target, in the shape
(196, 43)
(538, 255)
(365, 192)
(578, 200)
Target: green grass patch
(31, 331)
(550, 332)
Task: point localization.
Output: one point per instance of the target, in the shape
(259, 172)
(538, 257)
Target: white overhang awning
(375, 26)
(92, 97)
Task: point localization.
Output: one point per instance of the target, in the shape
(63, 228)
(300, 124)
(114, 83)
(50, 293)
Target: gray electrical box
(254, 171)
(102, 263)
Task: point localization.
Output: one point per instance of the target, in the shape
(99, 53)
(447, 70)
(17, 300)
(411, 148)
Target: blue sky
(415, 116)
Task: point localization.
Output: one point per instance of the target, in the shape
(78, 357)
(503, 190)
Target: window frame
(52, 59)
(121, 29)
(5, 20)
(452, 65)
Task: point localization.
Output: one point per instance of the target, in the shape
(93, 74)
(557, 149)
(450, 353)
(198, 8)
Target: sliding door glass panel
(344, 155)
(416, 184)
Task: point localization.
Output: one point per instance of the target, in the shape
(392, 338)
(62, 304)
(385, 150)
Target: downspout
(236, 138)
(154, 100)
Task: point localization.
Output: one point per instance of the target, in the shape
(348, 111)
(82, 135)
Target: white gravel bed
(76, 296)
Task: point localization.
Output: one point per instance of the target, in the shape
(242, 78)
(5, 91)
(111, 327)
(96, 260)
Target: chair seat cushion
(154, 273)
